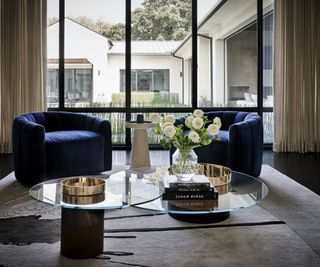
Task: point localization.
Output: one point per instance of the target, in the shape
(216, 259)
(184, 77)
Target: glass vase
(184, 164)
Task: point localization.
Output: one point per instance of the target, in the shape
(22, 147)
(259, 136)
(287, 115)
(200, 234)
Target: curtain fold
(23, 62)
(297, 74)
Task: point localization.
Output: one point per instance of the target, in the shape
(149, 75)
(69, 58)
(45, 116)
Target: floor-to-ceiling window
(98, 68)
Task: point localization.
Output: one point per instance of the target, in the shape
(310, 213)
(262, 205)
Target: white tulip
(170, 118)
(217, 121)
(169, 131)
(155, 117)
(194, 137)
(198, 113)
(190, 119)
(197, 123)
(213, 129)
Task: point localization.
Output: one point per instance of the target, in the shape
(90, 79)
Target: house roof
(146, 47)
(69, 61)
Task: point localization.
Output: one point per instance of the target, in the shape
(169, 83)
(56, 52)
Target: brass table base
(81, 233)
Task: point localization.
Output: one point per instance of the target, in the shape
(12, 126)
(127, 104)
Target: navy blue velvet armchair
(241, 144)
(48, 145)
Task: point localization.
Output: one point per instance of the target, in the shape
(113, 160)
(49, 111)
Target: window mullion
(194, 81)
(128, 69)
(61, 53)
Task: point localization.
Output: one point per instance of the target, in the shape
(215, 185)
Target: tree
(116, 32)
(52, 21)
(162, 20)
(154, 20)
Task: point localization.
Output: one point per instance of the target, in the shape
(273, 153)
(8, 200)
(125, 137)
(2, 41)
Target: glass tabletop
(122, 189)
(243, 191)
(144, 190)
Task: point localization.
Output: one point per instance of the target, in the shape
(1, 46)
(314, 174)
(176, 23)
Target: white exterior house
(105, 61)
(81, 44)
(147, 56)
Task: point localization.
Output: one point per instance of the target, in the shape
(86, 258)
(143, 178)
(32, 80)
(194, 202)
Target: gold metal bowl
(83, 186)
(83, 200)
(218, 175)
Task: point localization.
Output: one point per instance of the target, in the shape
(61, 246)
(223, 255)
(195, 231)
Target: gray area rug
(284, 230)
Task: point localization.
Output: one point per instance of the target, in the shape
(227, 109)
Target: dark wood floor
(303, 168)
(6, 164)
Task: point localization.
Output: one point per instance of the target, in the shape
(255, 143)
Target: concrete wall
(242, 56)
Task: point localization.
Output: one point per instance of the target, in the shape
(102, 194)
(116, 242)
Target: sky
(109, 10)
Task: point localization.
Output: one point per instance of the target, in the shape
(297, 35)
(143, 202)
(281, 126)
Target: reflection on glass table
(242, 192)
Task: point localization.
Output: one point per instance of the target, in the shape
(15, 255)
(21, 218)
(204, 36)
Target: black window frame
(127, 109)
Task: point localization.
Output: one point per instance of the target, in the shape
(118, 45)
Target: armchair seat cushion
(216, 152)
(71, 136)
(79, 150)
(220, 148)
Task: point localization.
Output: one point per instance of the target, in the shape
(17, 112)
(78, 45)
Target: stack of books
(199, 188)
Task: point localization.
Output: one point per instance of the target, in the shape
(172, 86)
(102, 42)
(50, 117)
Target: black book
(201, 195)
(192, 205)
(200, 183)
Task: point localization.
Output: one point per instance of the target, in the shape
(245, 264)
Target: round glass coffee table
(82, 219)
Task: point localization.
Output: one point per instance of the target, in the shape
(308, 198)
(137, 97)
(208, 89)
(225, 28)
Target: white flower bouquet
(173, 134)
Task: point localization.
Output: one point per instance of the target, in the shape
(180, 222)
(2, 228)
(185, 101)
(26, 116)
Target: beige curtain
(22, 68)
(297, 76)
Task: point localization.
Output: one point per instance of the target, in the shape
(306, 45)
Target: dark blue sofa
(48, 145)
(241, 144)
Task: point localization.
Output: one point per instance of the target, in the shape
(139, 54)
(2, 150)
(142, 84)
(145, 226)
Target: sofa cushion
(224, 136)
(67, 151)
(216, 152)
(70, 136)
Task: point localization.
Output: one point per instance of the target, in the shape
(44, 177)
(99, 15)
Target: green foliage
(155, 20)
(162, 20)
(52, 21)
(115, 32)
(205, 140)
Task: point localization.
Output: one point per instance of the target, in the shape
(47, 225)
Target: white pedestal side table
(140, 157)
